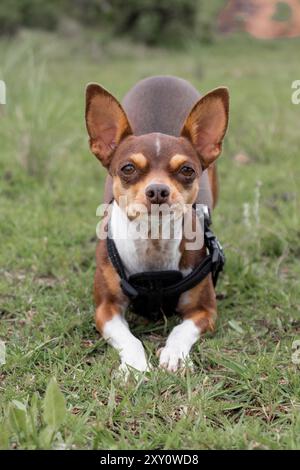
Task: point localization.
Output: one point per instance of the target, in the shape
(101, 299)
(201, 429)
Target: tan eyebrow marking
(139, 159)
(176, 161)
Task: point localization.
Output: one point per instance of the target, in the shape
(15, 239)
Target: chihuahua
(159, 148)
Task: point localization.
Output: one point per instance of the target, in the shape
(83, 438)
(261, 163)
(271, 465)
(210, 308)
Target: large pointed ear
(106, 122)
(206, 124)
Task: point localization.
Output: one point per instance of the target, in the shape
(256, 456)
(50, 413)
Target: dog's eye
(128, 169)
(187, 171)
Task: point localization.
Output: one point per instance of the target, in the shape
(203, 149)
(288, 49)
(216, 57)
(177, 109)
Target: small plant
(35, 425)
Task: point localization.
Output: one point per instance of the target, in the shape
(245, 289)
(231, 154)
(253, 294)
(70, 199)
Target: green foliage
(283, 12)
(10, 16)
(272, 245)
(54, 406)
(29, 13)
(153, 22)
(41, 14)
(28, 427)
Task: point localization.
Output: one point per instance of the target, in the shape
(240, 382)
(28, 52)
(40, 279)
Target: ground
(245, 389)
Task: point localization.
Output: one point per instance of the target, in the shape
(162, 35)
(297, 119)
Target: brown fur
(109, 298)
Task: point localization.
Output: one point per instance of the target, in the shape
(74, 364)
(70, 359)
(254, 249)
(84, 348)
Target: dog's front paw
(125, 370)
(173, 358)
(138, 364)
(133, 359)
(136, 369)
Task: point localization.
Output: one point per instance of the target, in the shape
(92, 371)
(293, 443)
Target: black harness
(156, 293)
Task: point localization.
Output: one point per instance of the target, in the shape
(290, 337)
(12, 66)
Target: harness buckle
(217, 254)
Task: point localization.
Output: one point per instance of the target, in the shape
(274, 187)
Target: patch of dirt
(242, 159)
(46, 281)
(257, 18)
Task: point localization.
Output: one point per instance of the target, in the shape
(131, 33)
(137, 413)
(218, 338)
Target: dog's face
(155, 168)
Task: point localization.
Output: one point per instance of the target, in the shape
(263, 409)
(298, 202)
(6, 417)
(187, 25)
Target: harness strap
(213, 263)
(115, 257)
(192, 279)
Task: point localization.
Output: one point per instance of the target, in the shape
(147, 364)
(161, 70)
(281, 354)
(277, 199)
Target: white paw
(137, 363)
(133, 359)
(131, 350)
(125, 370)
(173, 357)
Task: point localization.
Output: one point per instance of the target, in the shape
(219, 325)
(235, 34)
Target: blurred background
(155, 22)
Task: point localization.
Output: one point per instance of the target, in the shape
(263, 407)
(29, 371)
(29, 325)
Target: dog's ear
(106, 122)
(206, 124)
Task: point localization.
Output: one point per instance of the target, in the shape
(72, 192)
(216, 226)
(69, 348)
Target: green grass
(245, 392)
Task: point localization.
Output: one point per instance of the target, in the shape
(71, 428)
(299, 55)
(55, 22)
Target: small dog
(159, 148)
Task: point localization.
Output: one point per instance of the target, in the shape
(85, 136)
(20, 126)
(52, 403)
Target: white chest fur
(144, 254)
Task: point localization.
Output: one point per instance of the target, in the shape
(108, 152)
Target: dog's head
(156, 168)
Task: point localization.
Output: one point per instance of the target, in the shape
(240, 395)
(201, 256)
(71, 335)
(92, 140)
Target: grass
(245, 392)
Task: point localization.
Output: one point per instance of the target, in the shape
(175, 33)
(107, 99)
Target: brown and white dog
(159, 147)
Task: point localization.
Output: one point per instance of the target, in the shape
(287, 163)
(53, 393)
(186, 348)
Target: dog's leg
(111, 305)
(198, 308)
(114, 328)
(175, 354)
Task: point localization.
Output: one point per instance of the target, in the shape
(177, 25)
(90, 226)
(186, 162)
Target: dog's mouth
(159, 212)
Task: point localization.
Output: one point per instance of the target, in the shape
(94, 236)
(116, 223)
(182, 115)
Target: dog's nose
(157, 193)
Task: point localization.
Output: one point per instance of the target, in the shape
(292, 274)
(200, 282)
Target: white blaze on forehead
(157, 145)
